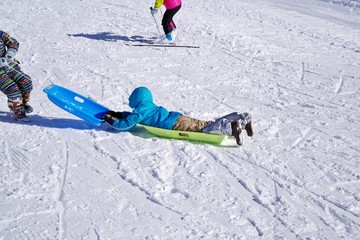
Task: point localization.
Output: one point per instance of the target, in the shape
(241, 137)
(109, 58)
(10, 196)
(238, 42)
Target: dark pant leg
(167, 21)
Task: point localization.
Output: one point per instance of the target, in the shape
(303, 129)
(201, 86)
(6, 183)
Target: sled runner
(91, 112)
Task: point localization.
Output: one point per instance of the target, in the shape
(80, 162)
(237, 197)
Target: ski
(161, 45)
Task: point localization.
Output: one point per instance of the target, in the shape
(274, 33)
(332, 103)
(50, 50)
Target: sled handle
(183, 135)
(79, 99)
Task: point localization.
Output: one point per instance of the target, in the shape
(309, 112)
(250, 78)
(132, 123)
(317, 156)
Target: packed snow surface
(293, 64)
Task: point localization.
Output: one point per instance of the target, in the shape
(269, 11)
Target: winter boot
(249, 130)
(236, 132)
(27, 107)
(168, 39)
(245, 123)
(17, 110)
(173, 34)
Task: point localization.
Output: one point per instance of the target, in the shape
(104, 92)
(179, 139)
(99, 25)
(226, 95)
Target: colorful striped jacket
(7, 42)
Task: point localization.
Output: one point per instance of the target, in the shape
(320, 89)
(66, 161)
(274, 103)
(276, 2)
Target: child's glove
(4, 62)
(109, 118)
(154, 11)
(115, 114)
(10, 55)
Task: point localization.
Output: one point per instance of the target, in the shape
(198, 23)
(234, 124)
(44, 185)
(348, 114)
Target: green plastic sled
(183, 135)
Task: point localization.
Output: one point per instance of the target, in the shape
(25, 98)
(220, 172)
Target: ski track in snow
(340, 84)
(293, 64)
(62, 210)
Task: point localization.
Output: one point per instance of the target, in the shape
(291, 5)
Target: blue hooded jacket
(146, 112)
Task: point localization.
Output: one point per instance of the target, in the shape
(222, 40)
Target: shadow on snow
(66, 123)
(41, 121)
(111, 37)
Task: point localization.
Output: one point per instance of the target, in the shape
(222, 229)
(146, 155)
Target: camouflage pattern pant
(189, 124)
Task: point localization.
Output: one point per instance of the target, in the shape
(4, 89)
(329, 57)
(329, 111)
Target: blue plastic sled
(76, 104)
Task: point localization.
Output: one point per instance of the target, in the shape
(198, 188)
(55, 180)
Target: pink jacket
(169, 4)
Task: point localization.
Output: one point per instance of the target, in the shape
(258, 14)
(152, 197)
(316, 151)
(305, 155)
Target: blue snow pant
(223, 125)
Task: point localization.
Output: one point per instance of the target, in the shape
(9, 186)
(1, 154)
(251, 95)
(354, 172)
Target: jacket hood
(139, 96)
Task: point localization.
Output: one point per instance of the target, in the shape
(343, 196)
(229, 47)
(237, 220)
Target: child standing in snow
(14, 83)
(147, 113)
(172, 7)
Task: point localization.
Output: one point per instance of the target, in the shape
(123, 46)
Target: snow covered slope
(295, 65)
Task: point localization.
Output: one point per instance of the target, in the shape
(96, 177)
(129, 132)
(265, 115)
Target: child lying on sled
(147, 113)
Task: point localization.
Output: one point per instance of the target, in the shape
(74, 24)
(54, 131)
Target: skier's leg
(172, 25)
(167, 21)
(185, 123)
(167, 18)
